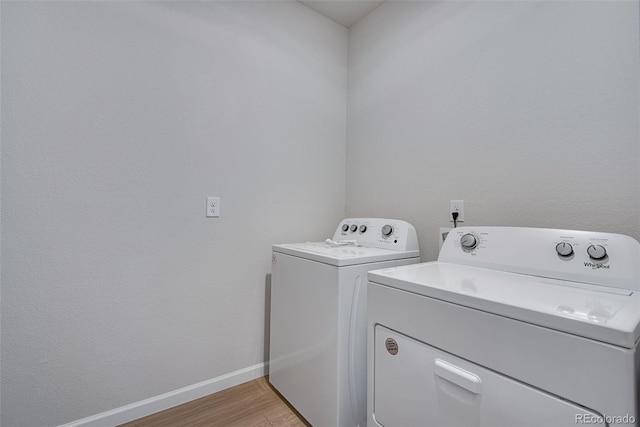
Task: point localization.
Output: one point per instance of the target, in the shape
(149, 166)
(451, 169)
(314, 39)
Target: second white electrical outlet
(213, 207)
(457, 206)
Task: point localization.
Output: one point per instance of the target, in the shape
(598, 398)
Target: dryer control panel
(381, 233)
(590, 257)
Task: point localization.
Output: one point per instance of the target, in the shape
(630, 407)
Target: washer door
(416, 384)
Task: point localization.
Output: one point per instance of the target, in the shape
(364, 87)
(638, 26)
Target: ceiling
(344, 12)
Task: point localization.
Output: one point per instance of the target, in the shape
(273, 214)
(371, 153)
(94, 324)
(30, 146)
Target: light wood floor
(252, 404)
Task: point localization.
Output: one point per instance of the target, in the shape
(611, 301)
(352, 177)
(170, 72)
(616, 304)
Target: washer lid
(342, 255)
(601, 313)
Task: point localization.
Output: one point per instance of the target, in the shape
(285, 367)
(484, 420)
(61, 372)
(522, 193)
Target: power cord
(455, 219)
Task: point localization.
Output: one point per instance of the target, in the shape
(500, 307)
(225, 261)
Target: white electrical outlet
(213, 207)
(457, 206)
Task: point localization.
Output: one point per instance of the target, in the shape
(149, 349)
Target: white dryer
(318, 334)
(510, 327)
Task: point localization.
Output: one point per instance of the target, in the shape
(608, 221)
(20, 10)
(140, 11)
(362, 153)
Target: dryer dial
(564, 249)
(468, 241)
(597, 252)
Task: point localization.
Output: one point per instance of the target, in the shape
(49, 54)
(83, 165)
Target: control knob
(468, 241)
(387, 230)
(354, 227)
(597, 252)
(345, 227)
(564, 249)
(363, 228)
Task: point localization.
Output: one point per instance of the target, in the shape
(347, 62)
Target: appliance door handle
(458, 376)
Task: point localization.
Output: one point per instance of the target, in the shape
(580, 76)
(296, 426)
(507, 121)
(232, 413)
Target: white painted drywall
(118, 119)
(528, 111)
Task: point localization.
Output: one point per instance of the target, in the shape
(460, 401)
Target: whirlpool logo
(596, 266)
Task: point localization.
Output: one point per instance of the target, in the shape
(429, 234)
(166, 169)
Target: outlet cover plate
(213, 207)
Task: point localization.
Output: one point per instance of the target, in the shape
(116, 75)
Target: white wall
(528, 111)
(118, 119)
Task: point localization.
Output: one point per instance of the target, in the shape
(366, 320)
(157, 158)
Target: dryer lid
(602, 313)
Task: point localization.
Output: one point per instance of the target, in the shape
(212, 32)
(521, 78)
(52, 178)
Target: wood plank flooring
(252, 404)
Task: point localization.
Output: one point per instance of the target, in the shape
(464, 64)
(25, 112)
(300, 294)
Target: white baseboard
(140, 409)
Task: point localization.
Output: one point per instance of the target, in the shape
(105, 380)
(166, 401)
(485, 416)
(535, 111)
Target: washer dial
(597, 252)
(387, 230)
(564, 249)
(468, 241)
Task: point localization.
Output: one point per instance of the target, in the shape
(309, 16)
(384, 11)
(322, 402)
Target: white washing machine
(510, 327)
(318, 353)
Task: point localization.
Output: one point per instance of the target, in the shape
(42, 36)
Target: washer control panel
(590, 257)
(378, 233)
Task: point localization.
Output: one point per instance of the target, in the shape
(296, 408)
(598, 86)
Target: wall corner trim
(170, 399)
